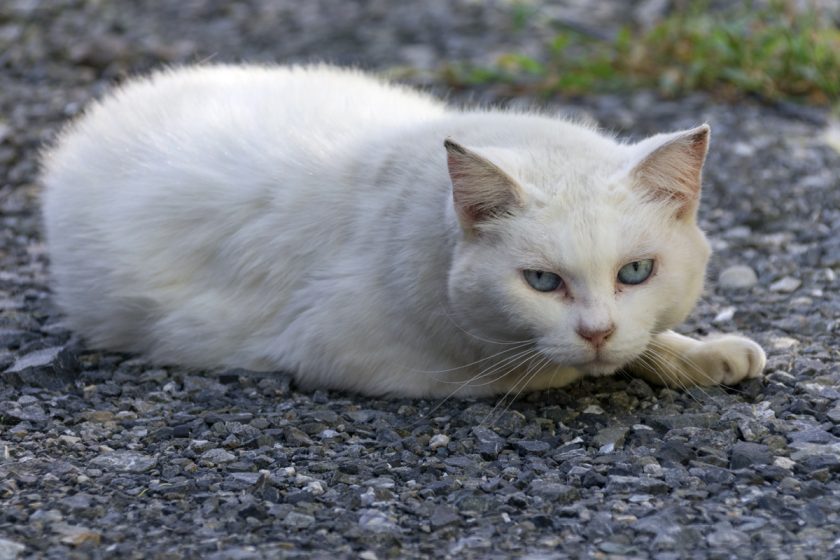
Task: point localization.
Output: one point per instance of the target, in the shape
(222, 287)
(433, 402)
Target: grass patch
(774, 52)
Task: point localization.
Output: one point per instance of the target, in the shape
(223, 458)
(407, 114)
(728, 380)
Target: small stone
(752, 430)
(635, 485)
(442, 516)
(31, 413)
(328, 434)
(746, 454)
(614, 548)
(784, 463)
(724, 315)
(593, 409)
(490, 444)
(784, 343)
(124, 461)
(687, 420)
(611, 438)
(653, 470)
(218, 456)
(809, 449)
(297, 520)
(786, 285)
(316, 488)
(728, 538)
(530, 446)
(76, 536)
(438, 440)
(249, 478)
(99, 416)
(639, 388)
(12, 338)
(296, 436)
(737, 277)
(200, 445)
(554, 492)
(592, 478)
(377, 522)
(9, 550)
(811, 435)
(49, 368)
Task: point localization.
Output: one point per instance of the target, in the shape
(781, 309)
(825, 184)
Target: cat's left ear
(669, 168)
(481, 190)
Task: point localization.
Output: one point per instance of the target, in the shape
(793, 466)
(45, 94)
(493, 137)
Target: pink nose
(597, 337)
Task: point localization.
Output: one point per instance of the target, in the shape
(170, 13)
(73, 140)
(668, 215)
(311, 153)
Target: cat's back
(318, 96)
(238, 115)
(164, 197)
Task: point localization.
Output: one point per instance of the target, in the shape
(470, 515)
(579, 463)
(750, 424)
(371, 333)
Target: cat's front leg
(678, 361)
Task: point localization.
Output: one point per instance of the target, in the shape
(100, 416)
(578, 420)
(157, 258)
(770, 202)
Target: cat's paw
(726, 360)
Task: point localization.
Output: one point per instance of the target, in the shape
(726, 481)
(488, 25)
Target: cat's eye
(635, 272)
(542, 281)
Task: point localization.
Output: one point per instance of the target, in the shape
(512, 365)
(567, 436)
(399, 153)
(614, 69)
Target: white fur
(301, 219)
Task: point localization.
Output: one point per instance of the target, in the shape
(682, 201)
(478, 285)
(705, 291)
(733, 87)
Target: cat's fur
(310, 219)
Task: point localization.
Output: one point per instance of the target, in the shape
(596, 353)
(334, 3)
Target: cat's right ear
(671, 166)
(481, 191)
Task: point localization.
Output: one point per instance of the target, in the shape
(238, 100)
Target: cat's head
(587, 254)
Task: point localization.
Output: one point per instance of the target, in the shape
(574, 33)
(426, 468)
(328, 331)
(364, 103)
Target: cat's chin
(599, 368)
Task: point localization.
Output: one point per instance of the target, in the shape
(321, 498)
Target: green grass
(774, 53)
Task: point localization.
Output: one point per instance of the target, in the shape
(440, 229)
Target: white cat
(367, 237)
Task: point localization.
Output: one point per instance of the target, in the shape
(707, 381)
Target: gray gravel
(104, 455)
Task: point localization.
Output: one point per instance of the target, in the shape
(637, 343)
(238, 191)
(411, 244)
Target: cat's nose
(597, 337)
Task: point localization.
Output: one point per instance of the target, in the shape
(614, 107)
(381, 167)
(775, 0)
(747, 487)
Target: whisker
(689, 363)
(481, 374)
(661, 367)
(491, 356)
(524, 381)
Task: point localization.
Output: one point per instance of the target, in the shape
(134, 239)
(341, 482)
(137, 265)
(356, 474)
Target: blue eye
(542, 281)
(635, 272)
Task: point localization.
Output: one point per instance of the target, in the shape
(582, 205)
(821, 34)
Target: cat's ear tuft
(670, 168)
(481, 190)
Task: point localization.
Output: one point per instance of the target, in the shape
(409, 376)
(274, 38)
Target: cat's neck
(412, 236)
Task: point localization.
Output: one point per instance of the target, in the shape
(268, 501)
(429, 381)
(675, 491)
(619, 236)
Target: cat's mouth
(592, 363)
(599, 366)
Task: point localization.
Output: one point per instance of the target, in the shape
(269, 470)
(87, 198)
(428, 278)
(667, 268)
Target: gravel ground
(104, 455)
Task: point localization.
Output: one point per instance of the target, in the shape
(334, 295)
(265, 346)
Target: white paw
(727, 359)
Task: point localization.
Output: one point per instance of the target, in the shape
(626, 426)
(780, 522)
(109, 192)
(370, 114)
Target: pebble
(727, 538)
(10, 550)
(783, 342)
(746, 454)
(50, 368)
(297, 520)
(536, 447)
(786, 285)
(377, 522)
(442, 516)
(737, 277)
(784, 463)
(611, 438)
(77, 535)
(124, 461)
(438, 440)
(218, 456)
(724, 315)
